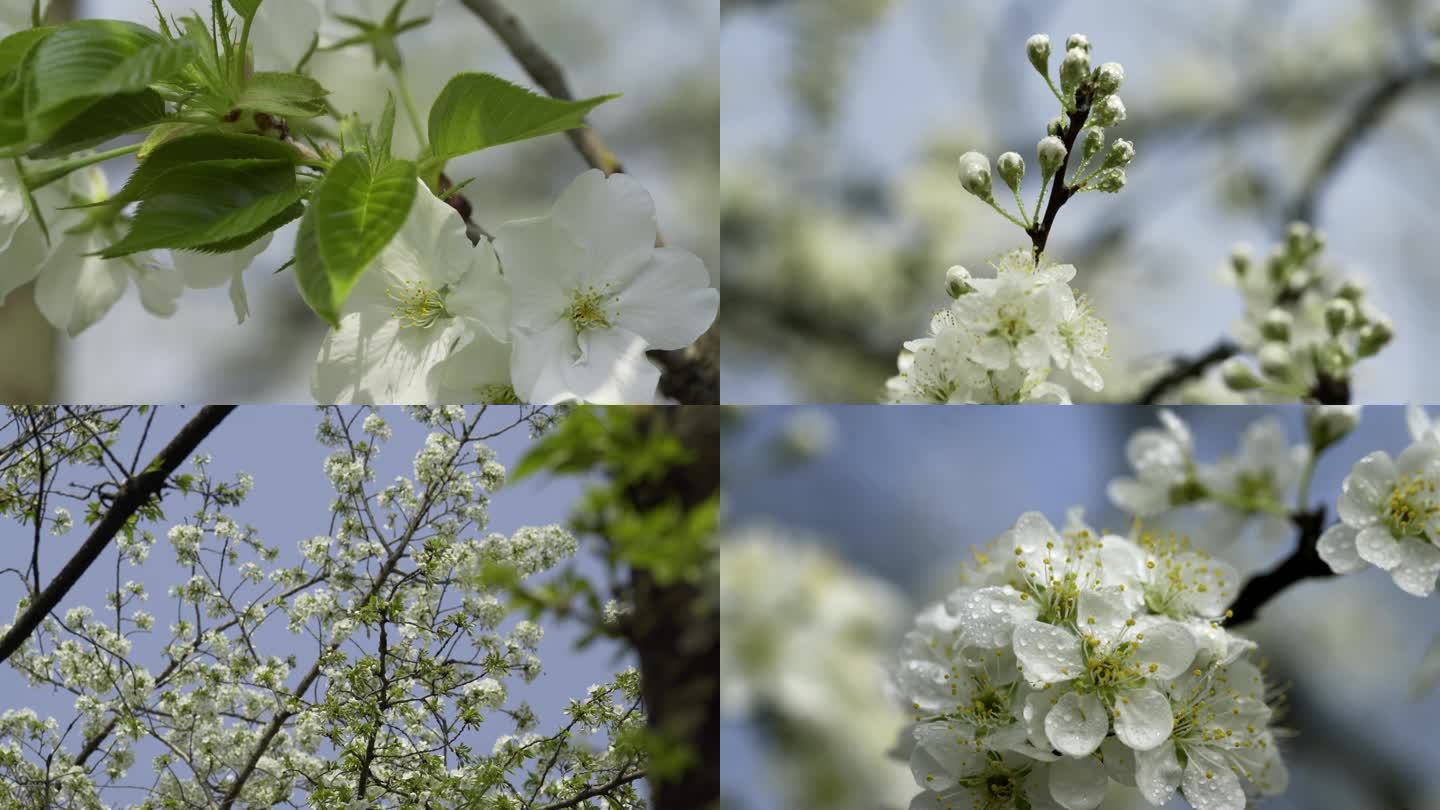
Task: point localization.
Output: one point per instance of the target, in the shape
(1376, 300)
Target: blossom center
(587, 308)
(1411, 506)
(417, 305)
(498, 395)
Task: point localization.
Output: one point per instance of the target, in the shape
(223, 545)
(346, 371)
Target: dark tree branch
(1060, 192)
(1185, 369)
(595, 792)
(133, 494)
(1303, 563)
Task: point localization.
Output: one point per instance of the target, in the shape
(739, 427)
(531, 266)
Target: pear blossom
(428, 294)
(74, 287)
(1390, 518)
(206, 270)
(1164, 464)
(592, 293)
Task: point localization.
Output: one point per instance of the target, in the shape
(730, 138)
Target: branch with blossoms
(239, 140)
(1305, 327)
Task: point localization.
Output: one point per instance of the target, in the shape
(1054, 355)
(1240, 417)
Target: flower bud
(975, 175)
(1078, 41)
(1351, 291)
(1108, 78)
(1120, 154)
(1037, 48)
(1238, 376)
(1057, 125)
(1333, 360)
(1299, 280)
(1276, 361)
(957, 281)
(1109, 112)
(1328, 424)
(1339, 313)
(1073, 70)
(1012, 169)
(1298, 237)
(1109, 181)
(1051, 151)
(1276, 325)
(1240, 259)
(1374, 336)
(1091, 141)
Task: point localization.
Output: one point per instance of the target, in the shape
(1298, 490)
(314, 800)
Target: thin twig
(591, 793)
(1060, 192)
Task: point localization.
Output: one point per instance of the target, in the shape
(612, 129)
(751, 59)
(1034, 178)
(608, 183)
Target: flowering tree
(239, 140)
(421, 623)
(1072, 667)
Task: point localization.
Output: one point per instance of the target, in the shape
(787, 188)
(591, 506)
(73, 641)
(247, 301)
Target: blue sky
(289, 503)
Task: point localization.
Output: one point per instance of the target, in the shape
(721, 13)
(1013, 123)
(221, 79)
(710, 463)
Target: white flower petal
(1378, 547)
(283, 32)
(160, 290)
(1365, 487)
(1120, 761)
(1143, 718)
(1337, 548)
(987, 616)
(1077, 724)
(1078, 784)
(611, 216)
(481, 293)
(667, 299)
(543, 265)
(609, 367)
(1048, 654)
(1168, 647)
(1212, 786)
(1419, 567)
(1158, 773)
(74, 290)
(474, 374)
(372, 358)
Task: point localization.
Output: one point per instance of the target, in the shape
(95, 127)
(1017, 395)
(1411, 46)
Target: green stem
(63, 169)
(1305, 476)
(411, 111)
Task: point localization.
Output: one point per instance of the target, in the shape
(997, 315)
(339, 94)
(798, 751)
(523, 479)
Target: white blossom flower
(427, 295)
(206, 270)
(1255, 482)
(1390, 518)
(592, 293)
(941, 369)
(74, 288)
(1164, 464)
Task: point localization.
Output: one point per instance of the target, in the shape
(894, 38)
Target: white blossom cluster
(1390, 513)
(803, 649)
(1253, 484)
(1305, 326)
(1072, 662)
(999, 339)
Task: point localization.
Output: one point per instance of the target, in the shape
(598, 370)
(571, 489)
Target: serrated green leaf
(477, 110)
(105, 120)
(204, 203)
(286, 94)
(354, 213)
(246, 8)
(275, 223)
(230, 150)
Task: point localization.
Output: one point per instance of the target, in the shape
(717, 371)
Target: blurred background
(843, 120)
(662, 55)
(897, 504)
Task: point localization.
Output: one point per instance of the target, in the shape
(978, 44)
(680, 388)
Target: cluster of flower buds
(1073, 665)
(1088, 104)
(1305, 327)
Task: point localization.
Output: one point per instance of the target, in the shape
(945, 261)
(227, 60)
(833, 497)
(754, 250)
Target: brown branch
(1185, 369)
(1303, 563)
(594, 792)
(133, 494)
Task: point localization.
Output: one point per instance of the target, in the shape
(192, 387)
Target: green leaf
(287, 94)
(246, 8)
(105, 120)
(82, 62)
(385, 135)
(476, 111)
(355, 212)
(14, 47)
(231, 150)
(204, 203)
(275, 223)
